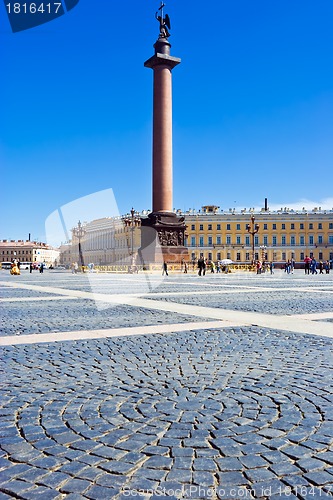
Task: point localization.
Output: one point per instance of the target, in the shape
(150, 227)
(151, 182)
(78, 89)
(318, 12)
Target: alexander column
(169, 226)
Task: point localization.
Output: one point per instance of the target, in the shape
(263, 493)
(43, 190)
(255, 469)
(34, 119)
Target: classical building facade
(28, 251)
(282, 234)
(106, 241)
(217, 234)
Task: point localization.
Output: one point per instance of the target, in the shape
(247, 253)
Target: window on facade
(302, 255)
(228, 255)
(228, 227)
(292, 226)
(238, 240)
(320, 256)
(210, 227)
(238, 227)
(256, 256)
(247, 241)
(311, 255)
(330, 225)
(192, 227)
(238, 256)
(201, 227)
(256, 240)
(330, 239)
(283, 226)
(310, 240)
(310, 225)
(301, 226)
(192, 241)
(266, 240)
(320, 239)
(283, 240)
(210, 240)
(228, 240)
(218, 255)
(274, 226)
(292, 240)
(302, 240)
(283, 255)
(320, 226)
(218, 227)
(210, 257)
(201, 241)
(193, 256)
(218, 240)
(247, 256)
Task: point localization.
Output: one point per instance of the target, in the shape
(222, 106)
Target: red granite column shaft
(162, 140)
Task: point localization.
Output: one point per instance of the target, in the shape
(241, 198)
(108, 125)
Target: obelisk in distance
(169, 226)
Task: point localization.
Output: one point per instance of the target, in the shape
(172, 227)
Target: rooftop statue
(164, 22)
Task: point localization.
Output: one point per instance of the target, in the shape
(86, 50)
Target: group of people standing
(15, 267)
(310, 266)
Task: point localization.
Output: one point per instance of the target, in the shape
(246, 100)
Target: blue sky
(252, 107)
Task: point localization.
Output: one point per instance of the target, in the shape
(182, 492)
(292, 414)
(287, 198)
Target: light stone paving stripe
(29, 299)
(113, 332)
(314, 316)
(286, 322)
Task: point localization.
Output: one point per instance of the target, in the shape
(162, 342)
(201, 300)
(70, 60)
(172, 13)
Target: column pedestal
(162, 238)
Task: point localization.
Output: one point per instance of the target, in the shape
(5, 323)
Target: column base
(162, 238)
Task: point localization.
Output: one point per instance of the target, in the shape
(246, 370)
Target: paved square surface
(120, 386)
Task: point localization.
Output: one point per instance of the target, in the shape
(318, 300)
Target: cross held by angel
(164, 22)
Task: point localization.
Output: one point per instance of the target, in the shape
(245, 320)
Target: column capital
(162, 59)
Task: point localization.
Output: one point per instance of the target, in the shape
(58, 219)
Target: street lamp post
(79, 232)
(132, 222)
(252, 229)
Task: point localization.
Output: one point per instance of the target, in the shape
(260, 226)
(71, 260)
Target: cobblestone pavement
(222, 410)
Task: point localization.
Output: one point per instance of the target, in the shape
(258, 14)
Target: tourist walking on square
(327, 267)
(185, 267)
(271, 267)
(201, 266)
(74, 267)
(313, 266)
(307, 262)
(287, 267)
(212, 267)
(165, 269)
(292, 266)
(321, 268)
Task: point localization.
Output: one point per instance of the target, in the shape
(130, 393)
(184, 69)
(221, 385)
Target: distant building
(28, 251)
(66, 254)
